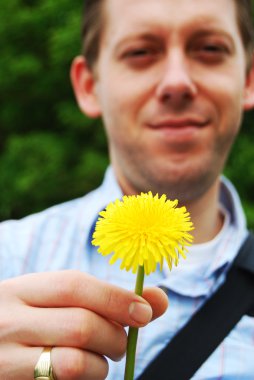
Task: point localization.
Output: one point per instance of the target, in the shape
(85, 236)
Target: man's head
(169, 79)
(93, 22)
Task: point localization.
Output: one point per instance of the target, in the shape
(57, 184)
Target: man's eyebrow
(202, 27)
(213, 32)
(142, 36)
(208, 31)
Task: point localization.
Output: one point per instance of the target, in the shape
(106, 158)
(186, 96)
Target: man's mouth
(178, 123)
(179, 131)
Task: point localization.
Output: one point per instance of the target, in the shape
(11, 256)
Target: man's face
(170, 86)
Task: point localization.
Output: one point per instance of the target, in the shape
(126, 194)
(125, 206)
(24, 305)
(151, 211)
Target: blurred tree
(49, 151)
(240, 168)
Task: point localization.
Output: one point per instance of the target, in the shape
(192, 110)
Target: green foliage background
(49, 152)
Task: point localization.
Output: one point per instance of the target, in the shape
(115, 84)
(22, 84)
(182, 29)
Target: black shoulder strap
(195, 342)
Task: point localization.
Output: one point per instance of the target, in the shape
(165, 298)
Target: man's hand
(81, 317)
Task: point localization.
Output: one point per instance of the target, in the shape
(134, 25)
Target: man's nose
(176, 85)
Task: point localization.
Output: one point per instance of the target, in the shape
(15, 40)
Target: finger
(158, 300)
(73, 288)
(74, 364)
(67, 363)
(68, 327)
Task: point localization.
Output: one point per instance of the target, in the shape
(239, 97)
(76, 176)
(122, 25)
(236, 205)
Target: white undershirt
(201, 259)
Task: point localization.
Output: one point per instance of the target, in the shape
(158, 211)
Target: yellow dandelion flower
(143, 230)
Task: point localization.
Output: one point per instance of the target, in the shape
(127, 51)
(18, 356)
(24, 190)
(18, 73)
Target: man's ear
(248, 100)
(83, 83)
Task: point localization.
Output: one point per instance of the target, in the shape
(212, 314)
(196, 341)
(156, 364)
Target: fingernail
(140, 312)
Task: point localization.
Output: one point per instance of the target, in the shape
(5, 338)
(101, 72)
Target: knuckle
(122, 342)
(120, 345)
(86, 330)
(81, 328)
(104, 367)
(72, 366)
(116, 302)
(67, 285)
(79, 363)
(109, 299)
(7, 326)
(4, 363)
(6, 288)
(5, 323)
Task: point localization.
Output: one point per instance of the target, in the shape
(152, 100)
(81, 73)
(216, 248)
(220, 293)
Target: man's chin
(185, 187)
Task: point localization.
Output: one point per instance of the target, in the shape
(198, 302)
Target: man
(171, 80)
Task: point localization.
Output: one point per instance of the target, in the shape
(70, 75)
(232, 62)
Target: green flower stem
(133, 332)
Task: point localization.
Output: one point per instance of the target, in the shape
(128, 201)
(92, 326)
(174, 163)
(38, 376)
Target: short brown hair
(246, 26)
(92, 25)
(93, 22)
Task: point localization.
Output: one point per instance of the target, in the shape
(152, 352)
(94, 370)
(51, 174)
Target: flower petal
(143, 230)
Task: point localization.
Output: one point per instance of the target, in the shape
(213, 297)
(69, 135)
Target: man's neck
(206, 215)
(205, 212)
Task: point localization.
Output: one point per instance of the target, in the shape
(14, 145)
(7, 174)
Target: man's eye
(141, 57)
(139, 53)
(214, 48)
(210, 52)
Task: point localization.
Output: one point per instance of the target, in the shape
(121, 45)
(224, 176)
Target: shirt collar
(108, 192)
(230, 200)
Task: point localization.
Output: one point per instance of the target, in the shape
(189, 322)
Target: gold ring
(43, 369)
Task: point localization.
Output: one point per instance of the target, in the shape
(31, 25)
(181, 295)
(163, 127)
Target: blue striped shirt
(60, 238)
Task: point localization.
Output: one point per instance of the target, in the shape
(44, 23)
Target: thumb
(157, 299)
